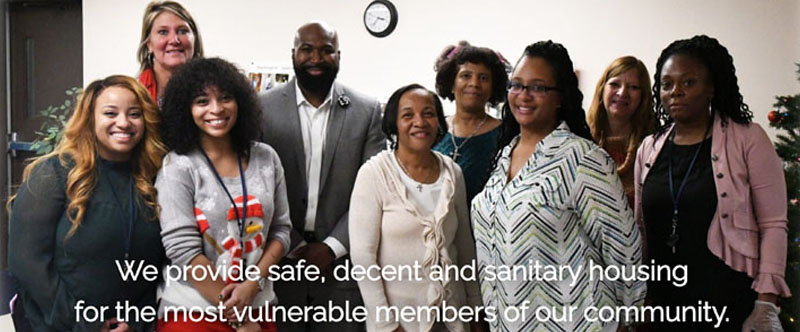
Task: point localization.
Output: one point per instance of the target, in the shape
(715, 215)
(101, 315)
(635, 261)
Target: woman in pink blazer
(710, 193)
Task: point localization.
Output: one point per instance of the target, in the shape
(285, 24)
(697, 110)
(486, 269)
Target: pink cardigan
(749, 229)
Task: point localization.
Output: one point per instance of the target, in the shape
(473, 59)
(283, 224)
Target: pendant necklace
(403, 167)
(457, 147)
(672, 240)
(127, 230)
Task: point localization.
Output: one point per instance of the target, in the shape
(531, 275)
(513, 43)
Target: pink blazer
(749, 229)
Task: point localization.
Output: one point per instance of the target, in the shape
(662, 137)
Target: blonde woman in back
(621, 115)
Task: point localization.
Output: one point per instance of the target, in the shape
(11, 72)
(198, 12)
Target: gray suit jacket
(354, 135)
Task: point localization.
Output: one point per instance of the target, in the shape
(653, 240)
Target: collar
(302, 99)
(553, 140)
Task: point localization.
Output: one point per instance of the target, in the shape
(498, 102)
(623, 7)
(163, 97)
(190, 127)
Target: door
(45, 57)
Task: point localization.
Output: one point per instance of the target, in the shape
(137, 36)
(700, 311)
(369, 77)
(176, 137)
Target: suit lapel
(335, 124)
(293, 119)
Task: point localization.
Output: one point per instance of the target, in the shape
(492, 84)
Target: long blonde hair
(78, 146)
(152, 11)
(642, 118)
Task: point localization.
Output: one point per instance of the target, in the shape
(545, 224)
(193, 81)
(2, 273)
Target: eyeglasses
(534, 90)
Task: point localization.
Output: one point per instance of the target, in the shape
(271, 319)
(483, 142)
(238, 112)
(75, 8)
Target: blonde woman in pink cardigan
(710, 192)
(409, 208)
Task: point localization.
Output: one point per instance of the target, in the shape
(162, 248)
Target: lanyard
(127, 230)
(239, 219)
(672, 240)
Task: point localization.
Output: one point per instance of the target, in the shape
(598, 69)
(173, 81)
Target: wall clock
(380, 18)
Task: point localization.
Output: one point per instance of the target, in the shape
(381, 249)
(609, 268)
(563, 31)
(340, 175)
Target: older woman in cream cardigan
(409, 209)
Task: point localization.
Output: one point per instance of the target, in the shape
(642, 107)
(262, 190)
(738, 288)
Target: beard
(320, 84)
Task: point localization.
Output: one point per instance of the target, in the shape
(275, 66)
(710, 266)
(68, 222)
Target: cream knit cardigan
(387, 229)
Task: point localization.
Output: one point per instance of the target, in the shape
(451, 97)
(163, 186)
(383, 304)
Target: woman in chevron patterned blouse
(553, 199)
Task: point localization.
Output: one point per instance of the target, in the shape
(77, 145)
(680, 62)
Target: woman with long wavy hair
(621, 114)
(87, 204)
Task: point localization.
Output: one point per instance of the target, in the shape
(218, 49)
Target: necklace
(405, 170)
(127, 230)
(457, 147)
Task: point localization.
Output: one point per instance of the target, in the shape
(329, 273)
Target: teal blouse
(475, 157)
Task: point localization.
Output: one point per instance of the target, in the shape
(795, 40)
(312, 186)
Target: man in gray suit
(323, 132)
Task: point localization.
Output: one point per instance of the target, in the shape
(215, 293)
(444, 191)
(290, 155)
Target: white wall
(762, 36)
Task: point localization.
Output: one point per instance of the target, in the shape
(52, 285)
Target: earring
(150, 57)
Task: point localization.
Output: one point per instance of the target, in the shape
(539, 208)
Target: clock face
(377, 17)
(380, 18)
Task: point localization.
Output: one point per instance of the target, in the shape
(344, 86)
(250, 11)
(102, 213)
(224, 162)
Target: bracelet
(235, 325)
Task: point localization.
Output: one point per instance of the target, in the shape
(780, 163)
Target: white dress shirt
(314, 127)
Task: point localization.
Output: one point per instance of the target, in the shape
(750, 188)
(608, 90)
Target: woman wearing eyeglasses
(553, 199)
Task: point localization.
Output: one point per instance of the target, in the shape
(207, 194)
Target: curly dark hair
(571, 110)
(727, 100)
(389, 122)
(178, 129)
(453, 56)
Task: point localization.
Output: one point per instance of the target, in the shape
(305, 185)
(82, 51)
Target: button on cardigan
(749, 230)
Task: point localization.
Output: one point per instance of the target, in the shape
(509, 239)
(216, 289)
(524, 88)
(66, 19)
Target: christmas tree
(786, 117)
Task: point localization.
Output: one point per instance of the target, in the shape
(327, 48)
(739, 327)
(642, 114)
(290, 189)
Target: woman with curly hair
(473, 77)
(621, 114)
(710, 191)
(169, 39)
(223, 198)
(553, 199)
(87, 204)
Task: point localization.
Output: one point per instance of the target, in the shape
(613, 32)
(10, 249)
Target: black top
(54, 272)
(709, 279)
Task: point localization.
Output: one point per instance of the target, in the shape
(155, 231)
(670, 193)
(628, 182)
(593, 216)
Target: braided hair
(727, 100)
